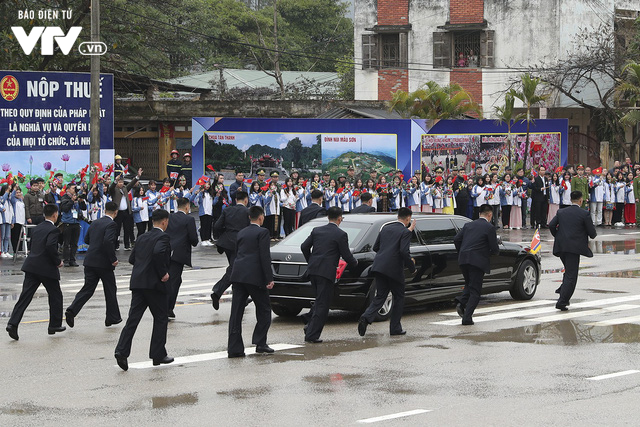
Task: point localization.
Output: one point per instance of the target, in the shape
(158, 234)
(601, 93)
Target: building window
(466, 49)
(390, 50)
(384, 50)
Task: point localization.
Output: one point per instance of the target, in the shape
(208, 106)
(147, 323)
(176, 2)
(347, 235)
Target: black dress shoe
(561, 307)
(399, 333)
(13, 332)
(164, 361)
(460, 310)
(234, 355)
(467, 322)
(55, 329)
(122, 361)
(318, 341)
(362, 326)
(108, 323)
(215, 301)
(74, 264)
(264, 349)
(69, 317)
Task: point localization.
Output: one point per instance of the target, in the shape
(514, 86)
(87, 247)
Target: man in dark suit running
(41, 267)
(314, 210)
(322, 250)
(151, 257)
(99, 264)
(570, 228)
(251, 277)
(475, 243)
(182, 236)
(365, 207)
(233, 219)
(392, 256)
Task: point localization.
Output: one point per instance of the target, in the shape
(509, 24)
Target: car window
(460, 222)
(414, 239)
(436, 231)
(354, 230)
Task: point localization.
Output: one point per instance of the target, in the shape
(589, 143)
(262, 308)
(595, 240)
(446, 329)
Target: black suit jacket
(232, 220)
(571, 228)
(101, 237)
(253, 259)
(182, 236)
(43, 258)
(312, 211)
(363, 209)
(150, 257)
(475, 243)
(392, 251)
(329, 243)
(537, 195)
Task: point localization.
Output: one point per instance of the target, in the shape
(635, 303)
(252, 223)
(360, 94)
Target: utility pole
(94, 148)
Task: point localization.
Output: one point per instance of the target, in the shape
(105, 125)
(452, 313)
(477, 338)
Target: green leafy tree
(506, 114)
(432, 101)
(529, 95)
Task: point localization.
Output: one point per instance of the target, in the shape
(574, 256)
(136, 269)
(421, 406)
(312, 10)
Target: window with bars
(384, 50)
(466, 49)
(390, 50)
(463, 49)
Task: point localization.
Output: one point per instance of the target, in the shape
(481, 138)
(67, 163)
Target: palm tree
(529, 98)
(506, 114)
(432, 101)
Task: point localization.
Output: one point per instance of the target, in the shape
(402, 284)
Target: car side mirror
(499, 238)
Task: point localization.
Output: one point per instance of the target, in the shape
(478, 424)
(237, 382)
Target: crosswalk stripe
(614, 375)
(505, 307)
(535, 312)
(208, 356)
(618, 321)
(575, 314)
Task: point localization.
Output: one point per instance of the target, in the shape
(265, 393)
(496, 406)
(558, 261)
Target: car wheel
(385, 311)
(280, 310)
(526, 282)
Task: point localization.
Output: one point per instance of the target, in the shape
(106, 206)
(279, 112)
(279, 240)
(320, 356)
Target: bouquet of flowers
(449, 192)
(315, 185)
(489, 195)
(434, 191)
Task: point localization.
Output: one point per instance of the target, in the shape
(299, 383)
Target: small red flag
(203, 180)
(164, 189)
(98, 167)
(211, 168)
(248, 180)
(173, 175)
(559, 169)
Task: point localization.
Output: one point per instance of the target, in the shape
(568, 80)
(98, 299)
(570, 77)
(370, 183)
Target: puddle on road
(566, 332)
(605, 291)
(624, 274)
(438, 346)
(246, 393)
(392, 382)
(162, 402)
(24, 409)
(561, 269)
(619, 247)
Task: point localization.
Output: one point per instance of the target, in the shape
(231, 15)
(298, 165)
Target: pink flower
(65, 157)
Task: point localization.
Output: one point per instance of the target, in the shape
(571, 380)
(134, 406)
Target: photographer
(70, 211)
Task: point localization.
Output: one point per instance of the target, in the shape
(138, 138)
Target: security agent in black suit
(570, 228)
(329, 243)
(41, 267)
(540, 198)
(314, 210)
(233, 219)
(392, 256)
(365, 207)
(251, 276)
(151, 257)
(182, 236)
(99, 264)
(475, 243)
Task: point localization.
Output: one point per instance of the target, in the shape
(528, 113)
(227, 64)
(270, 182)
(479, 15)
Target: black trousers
(225, 281)
(539, 212)
(92, 275)
(476, 212)
(618, 214)
(384, 285)
(523, 211)
(125, 221)
(473, 277)
(29, 288)
(142, 227)
(461, 206)
(260, 296)
(506, 215)
(70, 236)
(15, 236)
(174, 282)
(323, 288)
(496, 215)
(288, 220)
(205, 227)
(571, 264)
(157, 303)
(272, 223)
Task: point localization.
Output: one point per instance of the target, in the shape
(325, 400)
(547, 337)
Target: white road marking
(393, 416)
(534, 312)
(618, 321)
(506, 307)
(575, 314)
(207, 356)
(615, 374)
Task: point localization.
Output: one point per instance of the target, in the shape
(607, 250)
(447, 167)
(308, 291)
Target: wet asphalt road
(521, 364)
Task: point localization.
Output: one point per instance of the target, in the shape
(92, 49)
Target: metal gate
(583, 149)
(142, 152)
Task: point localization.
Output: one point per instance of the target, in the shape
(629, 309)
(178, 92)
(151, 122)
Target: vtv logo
(46, 35)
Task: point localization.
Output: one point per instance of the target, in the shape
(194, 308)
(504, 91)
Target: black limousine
(437, 276)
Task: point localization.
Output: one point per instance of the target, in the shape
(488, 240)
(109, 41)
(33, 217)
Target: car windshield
(355, 230)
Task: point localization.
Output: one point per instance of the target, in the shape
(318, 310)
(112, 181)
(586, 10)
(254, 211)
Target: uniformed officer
(174, 165)
(187, 168)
